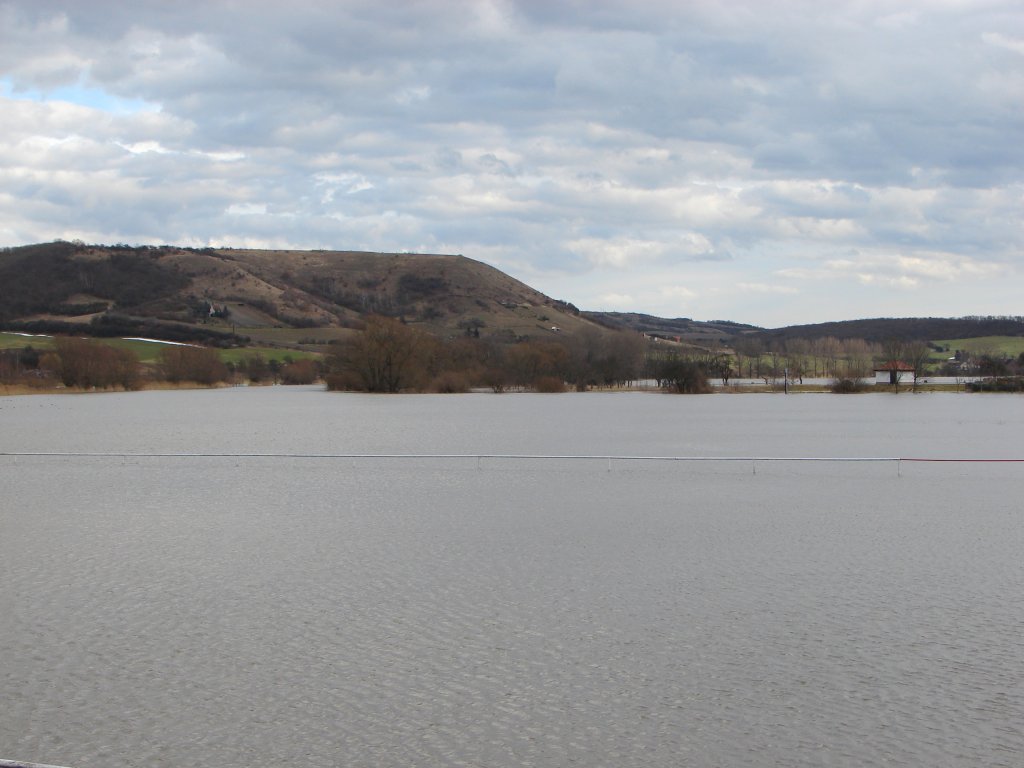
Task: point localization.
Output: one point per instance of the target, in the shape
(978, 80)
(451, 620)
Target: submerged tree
(92, 364)
(384, 357)
(680, 373)
(917, 354)
(187, 363)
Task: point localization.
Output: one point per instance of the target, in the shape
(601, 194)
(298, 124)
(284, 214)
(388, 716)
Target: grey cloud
(772, 133)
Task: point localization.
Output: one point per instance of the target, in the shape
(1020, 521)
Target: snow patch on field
(160, 341)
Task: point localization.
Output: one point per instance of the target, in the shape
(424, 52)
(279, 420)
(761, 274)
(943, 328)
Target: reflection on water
(229, 612)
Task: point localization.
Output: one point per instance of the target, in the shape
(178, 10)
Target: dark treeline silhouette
(909, 328)
(40, 278)
(119, 326)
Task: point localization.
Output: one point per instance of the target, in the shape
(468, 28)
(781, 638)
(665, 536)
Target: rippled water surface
(237, 611)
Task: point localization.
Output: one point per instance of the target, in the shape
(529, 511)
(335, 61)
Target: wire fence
(609, 459)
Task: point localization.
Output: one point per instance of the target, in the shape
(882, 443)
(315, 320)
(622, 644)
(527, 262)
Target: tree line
(85, 363)
(391, 356)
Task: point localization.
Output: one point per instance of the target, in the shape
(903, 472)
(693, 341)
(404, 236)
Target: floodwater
(218, 610)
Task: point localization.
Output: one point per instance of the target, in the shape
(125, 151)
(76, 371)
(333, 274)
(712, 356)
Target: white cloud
(139, 147)
(677, 292)
(734, 151)
(766, 288)
(246, 209)
(617, 300)
(411, 95)
(1015, 44)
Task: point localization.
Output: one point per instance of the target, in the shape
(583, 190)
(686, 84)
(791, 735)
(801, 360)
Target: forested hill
(907, 328)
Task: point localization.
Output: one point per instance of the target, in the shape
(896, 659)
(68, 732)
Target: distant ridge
(908, 328)
(307, 298)
(870, 329)
(275, 296)
(708, 333)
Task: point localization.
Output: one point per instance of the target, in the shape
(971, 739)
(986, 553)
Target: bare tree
(90, 364)
(859, 355)
(917, 354)
(830, 348)
(383, 358)
(680, 373)
(751, 349)
(199, 364)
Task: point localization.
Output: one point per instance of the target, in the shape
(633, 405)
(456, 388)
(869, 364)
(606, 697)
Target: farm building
(894, 372)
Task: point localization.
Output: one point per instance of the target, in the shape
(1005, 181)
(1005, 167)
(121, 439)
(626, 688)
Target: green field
(1011, 346)
(149, 351)
(17, 341)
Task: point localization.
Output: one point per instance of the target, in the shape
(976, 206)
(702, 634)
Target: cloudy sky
(758, 161)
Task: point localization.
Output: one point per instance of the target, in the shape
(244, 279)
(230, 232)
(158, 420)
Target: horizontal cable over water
(537, 456)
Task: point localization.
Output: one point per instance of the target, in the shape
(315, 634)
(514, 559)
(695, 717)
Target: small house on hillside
(894, 372)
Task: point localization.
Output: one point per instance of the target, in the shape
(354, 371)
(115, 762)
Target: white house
(894, 372)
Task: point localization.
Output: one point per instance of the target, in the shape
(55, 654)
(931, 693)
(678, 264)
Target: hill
(228, 296)
(881, 329)
(284, 297)
(712, 334)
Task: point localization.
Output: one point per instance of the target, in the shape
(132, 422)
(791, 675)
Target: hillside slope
(281, 296)
(307, 298)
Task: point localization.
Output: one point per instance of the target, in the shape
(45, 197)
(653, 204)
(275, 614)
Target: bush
(89, 364)
(999, 384)
(549, 384)
(199, 364)
(299, 372)
(496, 378)
(848, 386)
(343, 381)
(682, 376)
(450, 382)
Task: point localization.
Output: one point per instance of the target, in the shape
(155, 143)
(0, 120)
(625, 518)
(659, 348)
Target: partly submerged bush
(847, 386)
(450, 382)
(549, 384)
(299, 372)
(998, 384)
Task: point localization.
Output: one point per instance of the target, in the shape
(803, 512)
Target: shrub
(450, 382)
(496, 378)
(683, 376)
(89, 364)
(999, 384)
(185, 363)
(343, 381)
(848, 386)
(549, 384)
(299, 372)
